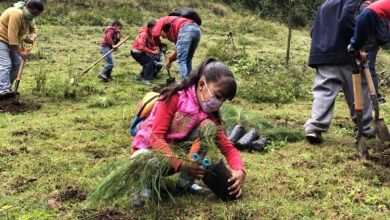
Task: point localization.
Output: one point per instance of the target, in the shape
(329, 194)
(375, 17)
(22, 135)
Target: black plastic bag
(237, 132)
(244, 142)
(259, 144)
(216, 178)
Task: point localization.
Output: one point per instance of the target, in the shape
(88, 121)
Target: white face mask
(28, 15)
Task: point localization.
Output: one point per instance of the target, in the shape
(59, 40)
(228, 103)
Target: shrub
(271, 81)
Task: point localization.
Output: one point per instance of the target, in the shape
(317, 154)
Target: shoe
(103, 75)
(194, 189)
(314, 137)
(186, 185)
(382, 100)
(109, 72)
(7, 94)
(138, 78)
(139, 200)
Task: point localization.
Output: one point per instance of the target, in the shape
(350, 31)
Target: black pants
(147, 64)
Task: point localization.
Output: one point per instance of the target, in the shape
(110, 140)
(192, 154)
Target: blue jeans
(9, 66)
(187, 42)
(372, 55)
(109, 58)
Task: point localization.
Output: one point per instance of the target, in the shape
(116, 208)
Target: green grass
(62, 150)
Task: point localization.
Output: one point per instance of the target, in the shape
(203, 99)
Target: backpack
(383, 32)
(185, 12)
(145, 107)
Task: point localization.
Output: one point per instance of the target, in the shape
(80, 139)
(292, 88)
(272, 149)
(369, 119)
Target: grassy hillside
(62, 147)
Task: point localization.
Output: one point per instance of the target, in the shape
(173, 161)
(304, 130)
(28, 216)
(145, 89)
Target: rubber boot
(103, 75)
(109, 72)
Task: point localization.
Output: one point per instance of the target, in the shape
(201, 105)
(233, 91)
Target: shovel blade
(381, 130)
(362, 148)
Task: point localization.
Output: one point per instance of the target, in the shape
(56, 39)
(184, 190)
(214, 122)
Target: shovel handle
(19, 77)
(370, 83)
(357, 85)
(104, 56)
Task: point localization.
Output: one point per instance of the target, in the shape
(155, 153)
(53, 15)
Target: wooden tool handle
(370, 83)
(357, 91)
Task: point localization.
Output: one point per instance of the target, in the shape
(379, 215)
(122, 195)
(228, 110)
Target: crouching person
(181, 114)
(146, 52)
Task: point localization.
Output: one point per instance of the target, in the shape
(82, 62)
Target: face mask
(27, 14)
(211, 105)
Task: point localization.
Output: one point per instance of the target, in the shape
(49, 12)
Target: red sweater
(110, 37)
(144, 42)
(164, 115)
(173, 32)
(381, 8)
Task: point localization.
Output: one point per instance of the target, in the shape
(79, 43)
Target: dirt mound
(15, 106)
(381, 155)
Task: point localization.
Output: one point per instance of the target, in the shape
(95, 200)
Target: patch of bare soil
(381, 155)
(15, 106)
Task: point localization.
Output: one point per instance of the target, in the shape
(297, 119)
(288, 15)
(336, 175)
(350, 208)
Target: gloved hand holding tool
(21, 67)
(72, 80)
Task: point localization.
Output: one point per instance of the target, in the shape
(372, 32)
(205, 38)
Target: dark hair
(213, 71)
(151, 23)
(37, 4)
(117, 23)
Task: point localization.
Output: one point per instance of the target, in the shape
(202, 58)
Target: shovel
(379, 124)
(72, 80)
(21, 67)
(170, 79)
(358, 100)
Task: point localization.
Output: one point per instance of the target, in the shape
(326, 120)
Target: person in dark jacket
(112, 35)
(185, 33)
(365, 31)
(331, 31)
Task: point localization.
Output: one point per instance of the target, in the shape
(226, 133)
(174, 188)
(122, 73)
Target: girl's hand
(238, 177)
(192, 169)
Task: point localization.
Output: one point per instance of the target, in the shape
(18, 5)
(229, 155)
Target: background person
(331, 31)
(15, 23)
(146, 52)
(185, 33)
(112, 36)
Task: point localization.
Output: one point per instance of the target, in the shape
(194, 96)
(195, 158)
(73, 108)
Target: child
(111, 38)
(186, 107)
(185, 33)
(145, 51)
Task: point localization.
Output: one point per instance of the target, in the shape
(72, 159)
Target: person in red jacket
(112, 35)
(180, 114)
(185, 33)
(146, 52)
